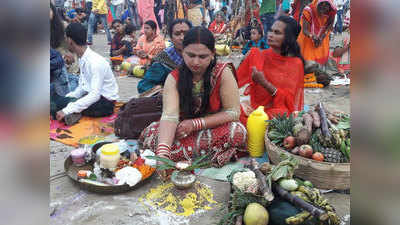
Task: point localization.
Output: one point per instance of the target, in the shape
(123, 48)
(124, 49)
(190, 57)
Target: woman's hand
(316, 40)
(258, 76)
(184, 129)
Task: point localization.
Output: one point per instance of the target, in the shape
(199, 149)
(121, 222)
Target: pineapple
(333, 155)
(280, 127)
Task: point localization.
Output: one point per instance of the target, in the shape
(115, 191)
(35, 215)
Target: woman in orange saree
(317, 23)
(149, 44)
(275, 75)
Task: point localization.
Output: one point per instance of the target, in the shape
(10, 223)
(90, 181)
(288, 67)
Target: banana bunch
(338, 136)
(313, 196)
(298, 219)
(341, 141)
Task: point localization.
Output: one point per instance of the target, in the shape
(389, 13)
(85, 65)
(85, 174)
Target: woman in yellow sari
(317, 23)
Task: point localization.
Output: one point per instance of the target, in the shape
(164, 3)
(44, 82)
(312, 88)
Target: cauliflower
(245, 181)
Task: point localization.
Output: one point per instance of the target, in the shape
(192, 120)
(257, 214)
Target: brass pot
(183, 179)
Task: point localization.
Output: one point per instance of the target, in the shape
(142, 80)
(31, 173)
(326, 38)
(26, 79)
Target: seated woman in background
(200, 107)
(149, 44)
(167, 60)
(256, 40)
(275, 75)
(218, 26)
(119, 47)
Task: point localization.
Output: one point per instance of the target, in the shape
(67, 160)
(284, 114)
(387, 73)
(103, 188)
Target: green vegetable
(284, 170)
(308, 183)
(288, 184)
(348, 151)
(344, 123)
(348, 143)
(343, 149)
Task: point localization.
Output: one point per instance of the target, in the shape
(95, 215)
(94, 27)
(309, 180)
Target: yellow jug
(256, 127)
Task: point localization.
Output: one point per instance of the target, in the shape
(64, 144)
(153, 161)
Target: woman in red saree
(218, 26)
(200, 107)
(317, 23)
(275, 75)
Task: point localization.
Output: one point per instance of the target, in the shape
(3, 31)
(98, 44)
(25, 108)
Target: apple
(318, 156)
(306, 151)
(289, 142)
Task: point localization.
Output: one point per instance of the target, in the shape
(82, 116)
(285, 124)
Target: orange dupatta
(318, 25)
(284, 72)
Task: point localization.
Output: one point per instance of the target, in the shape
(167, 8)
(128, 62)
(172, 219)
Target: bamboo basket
(323, 175)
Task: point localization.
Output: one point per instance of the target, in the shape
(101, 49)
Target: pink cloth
(146, 12)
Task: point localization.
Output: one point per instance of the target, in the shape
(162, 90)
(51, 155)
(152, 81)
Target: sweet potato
(308, 122)
(316, 119)
(303, 137)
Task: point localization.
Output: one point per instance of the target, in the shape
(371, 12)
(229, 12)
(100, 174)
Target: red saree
(217, 28)
(285, 73)
(224, 142)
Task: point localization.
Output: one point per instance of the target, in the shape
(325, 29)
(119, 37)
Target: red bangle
(163, 150)
(197, 124)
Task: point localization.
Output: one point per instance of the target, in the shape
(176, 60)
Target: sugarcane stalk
(265, 190)
(298, 202)
(324, 121)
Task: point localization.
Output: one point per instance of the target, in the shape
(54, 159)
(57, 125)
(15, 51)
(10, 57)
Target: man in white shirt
(97, 90)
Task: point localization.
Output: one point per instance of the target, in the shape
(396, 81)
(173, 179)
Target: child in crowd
(130, 37)
(256, 40)
(118, 45)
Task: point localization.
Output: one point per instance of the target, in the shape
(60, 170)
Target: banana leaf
(344, 124)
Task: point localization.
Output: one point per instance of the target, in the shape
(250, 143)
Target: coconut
(220, 49)
(138, 71)
(255, 214)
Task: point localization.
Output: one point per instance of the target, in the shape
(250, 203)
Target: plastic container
(78, 156)
(256, 126)
(109, 156)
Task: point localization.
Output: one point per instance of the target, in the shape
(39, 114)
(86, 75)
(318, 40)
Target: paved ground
(70, 205)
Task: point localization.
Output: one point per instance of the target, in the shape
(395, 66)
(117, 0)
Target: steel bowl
(183, 179)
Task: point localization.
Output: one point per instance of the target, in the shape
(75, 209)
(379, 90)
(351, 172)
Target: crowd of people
(201, 111)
